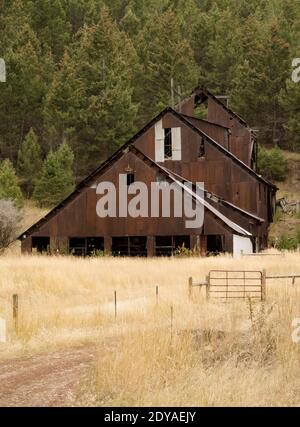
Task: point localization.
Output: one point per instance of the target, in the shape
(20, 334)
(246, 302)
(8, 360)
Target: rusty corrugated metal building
(176, 146)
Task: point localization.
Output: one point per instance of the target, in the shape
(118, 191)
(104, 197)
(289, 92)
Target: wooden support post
(190, 287)
(263, 285)
(156, 293)
(207, 287)
(15, 311)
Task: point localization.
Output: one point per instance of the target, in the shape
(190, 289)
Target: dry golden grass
(212, 355)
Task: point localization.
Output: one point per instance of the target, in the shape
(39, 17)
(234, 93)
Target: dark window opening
(168, 143)
(77, 246)
(41, 244)
(135, 246)
(201, 152)
(215, 244)
(201, 106)
(86, 246)
(130, 178)
(167, 245)
(163, 246)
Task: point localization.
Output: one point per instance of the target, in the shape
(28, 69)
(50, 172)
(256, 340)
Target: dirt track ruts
(47, 379)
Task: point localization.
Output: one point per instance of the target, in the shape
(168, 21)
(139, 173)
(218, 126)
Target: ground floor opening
(168, 245)
(86, 246)
(129, 246)
(215, 244)
(41, 244)
(132, 246)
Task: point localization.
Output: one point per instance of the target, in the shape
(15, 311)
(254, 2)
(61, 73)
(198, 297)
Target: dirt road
(45, 379)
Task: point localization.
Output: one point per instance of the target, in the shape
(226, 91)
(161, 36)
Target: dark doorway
(41, 244)
(215, 244)
(135, 246)
(86, 246)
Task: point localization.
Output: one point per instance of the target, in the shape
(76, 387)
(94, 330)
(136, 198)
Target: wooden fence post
(190, 287)
(207, 287)
(264, 285)
(15, 311)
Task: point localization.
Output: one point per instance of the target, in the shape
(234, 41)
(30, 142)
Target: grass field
(233, 353)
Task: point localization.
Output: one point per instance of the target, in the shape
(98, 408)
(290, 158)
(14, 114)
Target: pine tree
(56, 180)
(28, 74)
(258, 82)
(90, 101)
(29, 161)
(290, 102)
(164, 54)
(49, 22)
(9, 187)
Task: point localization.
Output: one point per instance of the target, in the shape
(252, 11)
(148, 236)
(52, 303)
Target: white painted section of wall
(241, 244)
(176, 143)
(159, 142)
(2, 331)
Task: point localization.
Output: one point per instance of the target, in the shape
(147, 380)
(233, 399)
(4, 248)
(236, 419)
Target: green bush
(289, 243)
(272, 164)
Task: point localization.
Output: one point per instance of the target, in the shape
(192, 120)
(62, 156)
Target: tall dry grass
(237, 353)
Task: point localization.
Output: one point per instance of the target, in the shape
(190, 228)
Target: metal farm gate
(230, 284)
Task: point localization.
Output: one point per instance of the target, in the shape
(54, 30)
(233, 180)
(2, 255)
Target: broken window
(201, 106)
(41, 244)
(168, 143)
(135, 246)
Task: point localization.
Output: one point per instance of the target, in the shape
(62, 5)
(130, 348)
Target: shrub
(272, 164)
(289, 243)
(10, 217)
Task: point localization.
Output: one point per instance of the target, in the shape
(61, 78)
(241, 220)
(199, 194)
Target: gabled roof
(100, 169)
(202, 90)
(217, 100)
(185, 120)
